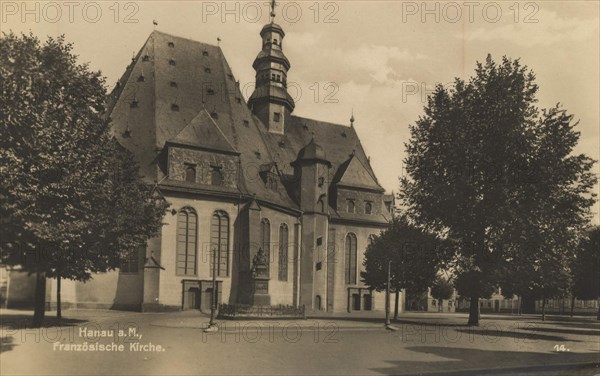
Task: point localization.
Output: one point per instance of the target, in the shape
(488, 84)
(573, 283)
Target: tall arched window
(350, 259)
(265, 239)
(283, 252)
(190, 173)
(219, 242)
(187, 227)
(368, 208)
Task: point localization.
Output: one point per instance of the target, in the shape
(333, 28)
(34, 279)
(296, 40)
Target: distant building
(497, 303)
(247, 182)
(426, 303)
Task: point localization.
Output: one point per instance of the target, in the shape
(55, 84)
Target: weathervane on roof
(273, 5)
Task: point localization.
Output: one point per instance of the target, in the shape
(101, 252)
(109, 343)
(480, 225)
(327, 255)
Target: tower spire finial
(273, 5)
(352, 118)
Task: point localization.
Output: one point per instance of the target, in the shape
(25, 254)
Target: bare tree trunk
(572, 305)
(58, 299)
(396, 303)
(474, 311)
(40, 299)
(543, 308)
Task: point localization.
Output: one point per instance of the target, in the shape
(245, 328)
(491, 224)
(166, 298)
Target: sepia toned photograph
(312, 187)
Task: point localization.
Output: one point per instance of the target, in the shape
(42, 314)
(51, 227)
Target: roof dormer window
(174, 107)
(204, 53)
(210, 91)
(207, 70)
(190, 173)
(171, 45)
(171, 62)
(146, 58)
(173, 84)
(216, 175)
(351, 206)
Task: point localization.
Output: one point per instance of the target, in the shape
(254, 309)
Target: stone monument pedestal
(260, 281)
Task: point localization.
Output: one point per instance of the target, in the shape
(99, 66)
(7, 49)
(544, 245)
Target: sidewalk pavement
(199, 320)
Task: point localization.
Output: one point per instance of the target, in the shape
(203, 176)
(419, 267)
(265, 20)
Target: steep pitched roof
(354, 173)
(203, 132)
(172, 85)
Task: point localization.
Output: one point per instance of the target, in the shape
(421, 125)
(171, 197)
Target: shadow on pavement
(587, 325)
(23, 321)
(466, 361)
(6, 344)
(588, 332)
(517, 335)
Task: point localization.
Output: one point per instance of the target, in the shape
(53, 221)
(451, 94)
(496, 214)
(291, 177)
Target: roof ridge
(368, 168)
(195, 123)
(322, 122)
(218, 128)
(184, 38)
(347, 164)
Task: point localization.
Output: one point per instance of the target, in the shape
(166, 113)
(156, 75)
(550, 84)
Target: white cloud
(377, 60)
(549, 30)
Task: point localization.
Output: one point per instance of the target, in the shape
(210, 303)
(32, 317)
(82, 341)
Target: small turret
(312, 178)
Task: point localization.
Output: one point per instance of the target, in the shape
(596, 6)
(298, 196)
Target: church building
(249, 183)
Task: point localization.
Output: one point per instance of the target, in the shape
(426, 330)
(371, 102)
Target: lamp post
(387, 295)
(212, 326)
(388, 324)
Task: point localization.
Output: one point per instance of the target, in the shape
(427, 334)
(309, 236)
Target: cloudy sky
(379, 58)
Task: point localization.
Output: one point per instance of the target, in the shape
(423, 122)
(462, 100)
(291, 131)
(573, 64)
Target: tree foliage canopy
(499, 176)
(586, 266)
(415, 257)
(442, 289)
(72, 202)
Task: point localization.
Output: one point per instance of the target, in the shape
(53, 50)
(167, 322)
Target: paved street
(173, 343)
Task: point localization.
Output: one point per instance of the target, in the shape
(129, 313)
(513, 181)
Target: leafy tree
(441, 289)
(415, 257)
(485, 167)
(586, 267)
(72, 203)
(547, 225)
(472, 282)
